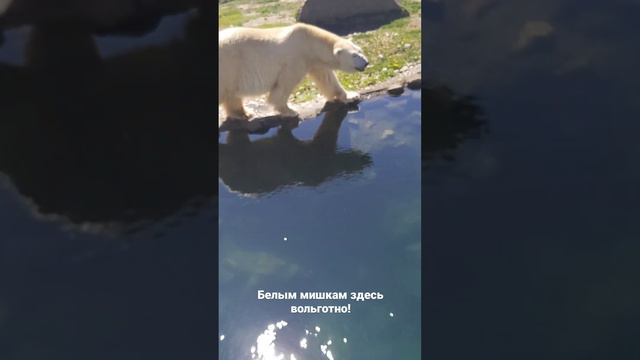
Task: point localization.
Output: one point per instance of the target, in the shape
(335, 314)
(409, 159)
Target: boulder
(348, 16)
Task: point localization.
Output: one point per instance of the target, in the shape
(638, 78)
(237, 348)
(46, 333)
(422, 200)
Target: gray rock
(348, 16)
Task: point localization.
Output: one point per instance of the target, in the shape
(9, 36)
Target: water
(531, 222)
(106, 231)
(330, 206)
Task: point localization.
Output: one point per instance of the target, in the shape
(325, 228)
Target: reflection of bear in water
(449, 120)
(105, 140)
(266, 165)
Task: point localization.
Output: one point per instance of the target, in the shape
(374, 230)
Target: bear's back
(237, 35)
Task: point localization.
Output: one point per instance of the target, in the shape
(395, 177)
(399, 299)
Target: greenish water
(332, 205)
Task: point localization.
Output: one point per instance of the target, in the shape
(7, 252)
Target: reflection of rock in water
(448, 120)
(119, 140)
(267, 165)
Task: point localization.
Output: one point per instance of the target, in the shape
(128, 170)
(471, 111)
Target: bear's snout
(361, 63)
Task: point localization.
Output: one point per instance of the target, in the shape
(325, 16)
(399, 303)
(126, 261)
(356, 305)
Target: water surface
(331, 205)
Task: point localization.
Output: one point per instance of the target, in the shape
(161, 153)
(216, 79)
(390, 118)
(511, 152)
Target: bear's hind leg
(287, 81)
(234, 109)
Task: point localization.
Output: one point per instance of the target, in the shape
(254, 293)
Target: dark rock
(415, 84)
(260, 125)
(336, 105)
(396, 90)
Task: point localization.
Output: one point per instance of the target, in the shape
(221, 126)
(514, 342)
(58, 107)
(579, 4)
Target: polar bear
(253, 62)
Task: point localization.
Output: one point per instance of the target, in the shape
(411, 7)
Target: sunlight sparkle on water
(267, 349)
(329, 355)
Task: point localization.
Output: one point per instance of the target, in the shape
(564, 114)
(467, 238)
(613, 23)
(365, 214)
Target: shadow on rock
(121, 140)
(266, 165)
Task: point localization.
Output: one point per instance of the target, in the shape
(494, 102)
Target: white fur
(254, 62)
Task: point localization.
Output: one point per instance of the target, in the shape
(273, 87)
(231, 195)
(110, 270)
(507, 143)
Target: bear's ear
(338, 50)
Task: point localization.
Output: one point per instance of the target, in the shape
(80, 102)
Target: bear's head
(350, 56)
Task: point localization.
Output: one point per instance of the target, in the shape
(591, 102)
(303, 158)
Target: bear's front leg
(329, 86)
(349, 97)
